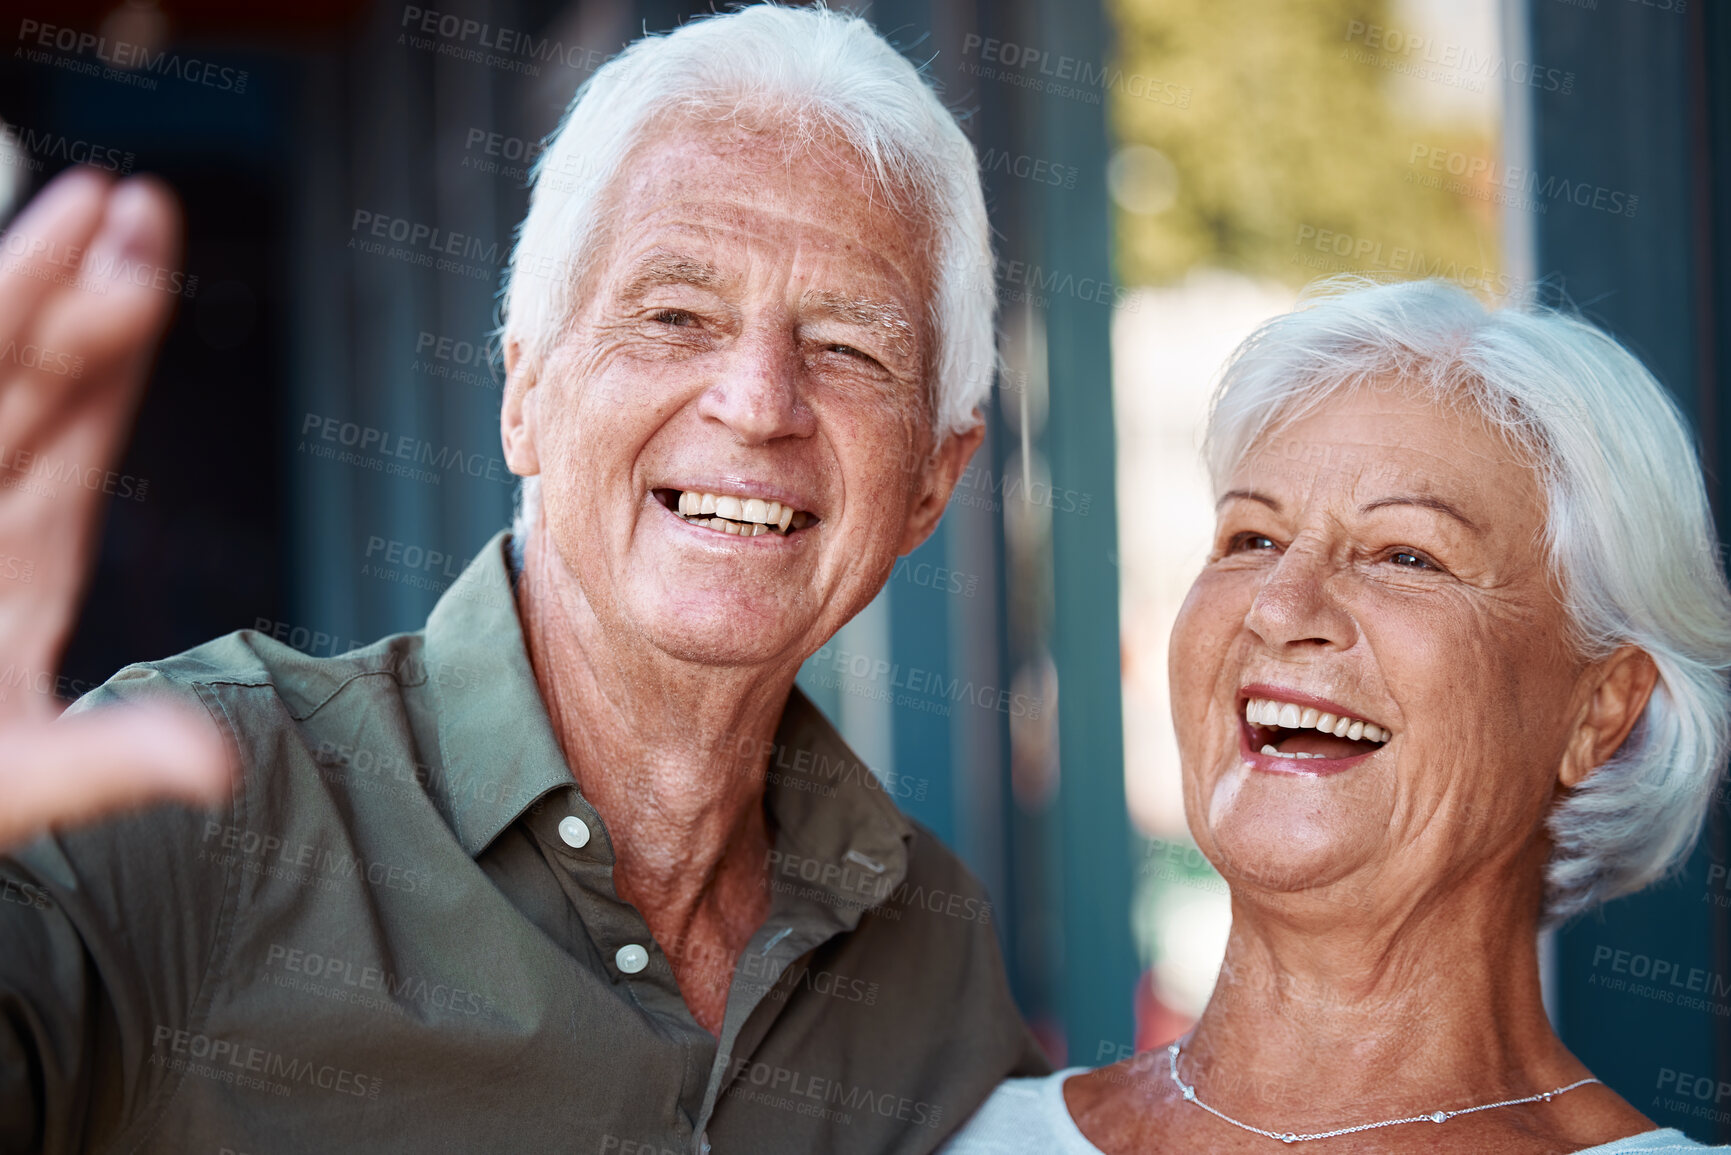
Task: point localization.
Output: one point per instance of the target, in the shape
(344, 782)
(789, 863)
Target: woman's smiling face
(1378, 574)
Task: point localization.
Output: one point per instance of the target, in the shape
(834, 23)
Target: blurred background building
(1163, 175)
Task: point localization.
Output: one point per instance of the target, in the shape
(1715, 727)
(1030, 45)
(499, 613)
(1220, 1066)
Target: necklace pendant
(1289, 1137)
(1439, 1117)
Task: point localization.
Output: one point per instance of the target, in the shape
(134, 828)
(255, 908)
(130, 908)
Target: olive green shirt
(402, 934)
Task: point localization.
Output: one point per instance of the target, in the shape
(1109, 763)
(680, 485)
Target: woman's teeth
(1290, 716)
(742, 516)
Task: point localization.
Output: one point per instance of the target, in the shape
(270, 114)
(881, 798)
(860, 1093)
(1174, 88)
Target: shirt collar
(497, 749)
(836, 828)
(499, 754)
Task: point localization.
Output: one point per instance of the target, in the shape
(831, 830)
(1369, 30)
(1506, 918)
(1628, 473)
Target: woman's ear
(518, 413)
(1618, 688)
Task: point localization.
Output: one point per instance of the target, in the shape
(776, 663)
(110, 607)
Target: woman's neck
(1320, 1015)
(1336, 1007)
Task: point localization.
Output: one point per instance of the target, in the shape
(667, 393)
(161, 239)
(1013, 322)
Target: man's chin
(729, 640)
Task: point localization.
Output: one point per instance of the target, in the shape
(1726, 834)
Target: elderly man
(577, 866)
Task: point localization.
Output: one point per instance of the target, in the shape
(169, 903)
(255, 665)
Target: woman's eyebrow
(1423, 501)
(1247, 495)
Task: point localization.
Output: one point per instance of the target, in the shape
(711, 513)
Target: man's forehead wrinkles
(719, 221)
(669, 231)
(697, 238)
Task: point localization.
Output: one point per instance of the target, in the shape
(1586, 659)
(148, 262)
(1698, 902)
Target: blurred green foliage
(1284, 136)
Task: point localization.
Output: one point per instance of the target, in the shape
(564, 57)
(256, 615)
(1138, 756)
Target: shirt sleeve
(108, 934)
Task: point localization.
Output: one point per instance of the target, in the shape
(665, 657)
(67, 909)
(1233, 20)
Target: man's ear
(941, 473)
(1618, 688)
(518, 414)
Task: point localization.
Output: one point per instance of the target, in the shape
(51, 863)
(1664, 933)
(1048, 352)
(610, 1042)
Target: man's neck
(673, 758)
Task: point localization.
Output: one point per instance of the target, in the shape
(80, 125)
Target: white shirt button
(574, 831)
(631, 958)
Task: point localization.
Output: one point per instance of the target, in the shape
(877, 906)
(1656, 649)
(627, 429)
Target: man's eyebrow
(1423, 501)
(666, 268)
(1247, 495)
(884, 317)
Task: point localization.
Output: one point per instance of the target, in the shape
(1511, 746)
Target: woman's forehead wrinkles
(1290, 473)
(1376, 460)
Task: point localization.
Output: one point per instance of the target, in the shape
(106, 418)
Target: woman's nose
(1296, 604)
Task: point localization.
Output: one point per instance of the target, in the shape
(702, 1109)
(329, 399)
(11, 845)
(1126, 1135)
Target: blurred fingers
(96, 763)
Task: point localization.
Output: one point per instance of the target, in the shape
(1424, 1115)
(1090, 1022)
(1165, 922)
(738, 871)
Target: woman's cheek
(1201, 637)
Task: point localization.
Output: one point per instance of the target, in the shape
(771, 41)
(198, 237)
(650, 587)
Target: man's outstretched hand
(81, 312)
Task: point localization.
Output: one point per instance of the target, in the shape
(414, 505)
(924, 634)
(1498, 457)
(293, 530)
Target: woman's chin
(1286, 840)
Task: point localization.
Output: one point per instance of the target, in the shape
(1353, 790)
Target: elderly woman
(576, 867)
(1456, 653)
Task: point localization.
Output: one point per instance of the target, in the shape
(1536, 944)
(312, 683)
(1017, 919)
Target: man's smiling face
(734, 433)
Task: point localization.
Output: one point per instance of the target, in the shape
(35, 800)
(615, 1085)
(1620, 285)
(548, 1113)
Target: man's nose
(759, 389)
(1297, 604)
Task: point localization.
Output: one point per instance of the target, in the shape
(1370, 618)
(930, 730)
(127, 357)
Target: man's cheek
(630, 383)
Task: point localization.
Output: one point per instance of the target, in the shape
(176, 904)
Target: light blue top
(1028, 1115)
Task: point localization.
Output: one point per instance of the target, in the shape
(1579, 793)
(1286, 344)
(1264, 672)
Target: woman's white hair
(812, 74)
(1628, 531)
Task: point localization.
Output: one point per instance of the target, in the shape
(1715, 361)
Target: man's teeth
(738, 529)
(744, 516)
(1288, 716)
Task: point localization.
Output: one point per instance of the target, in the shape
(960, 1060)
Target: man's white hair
(1628, 531)
(810, 73)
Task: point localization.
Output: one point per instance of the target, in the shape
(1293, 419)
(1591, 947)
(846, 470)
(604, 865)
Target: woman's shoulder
(1023, 1115)
(1657, 1142)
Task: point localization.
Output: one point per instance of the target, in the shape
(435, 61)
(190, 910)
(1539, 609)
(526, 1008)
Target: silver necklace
(1189, 1092)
